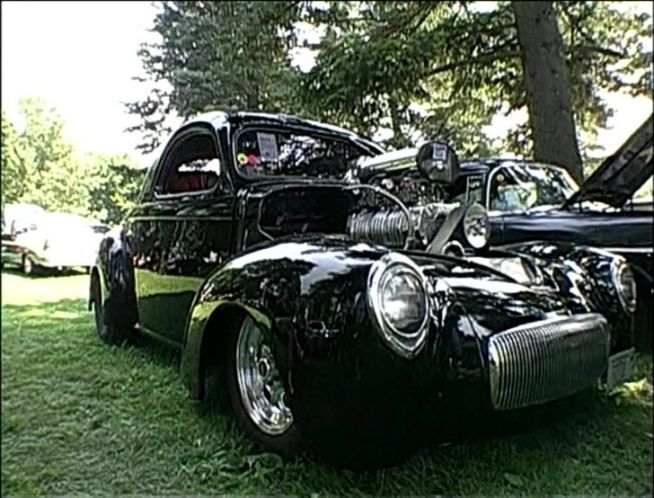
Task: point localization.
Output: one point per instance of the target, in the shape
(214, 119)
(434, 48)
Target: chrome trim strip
(630, 250)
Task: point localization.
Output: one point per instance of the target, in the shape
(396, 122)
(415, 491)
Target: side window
(191, 165)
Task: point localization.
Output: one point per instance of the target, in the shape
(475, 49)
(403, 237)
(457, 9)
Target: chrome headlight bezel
(476, 226)
(405, 343)
(621, 270)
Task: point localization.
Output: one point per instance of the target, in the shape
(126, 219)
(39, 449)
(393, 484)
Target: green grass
(82, 417)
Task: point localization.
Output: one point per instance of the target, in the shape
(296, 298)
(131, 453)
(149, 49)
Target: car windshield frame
(369, 149)
(526, 166)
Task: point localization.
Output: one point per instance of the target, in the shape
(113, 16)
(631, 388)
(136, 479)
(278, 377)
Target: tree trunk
(547, 84)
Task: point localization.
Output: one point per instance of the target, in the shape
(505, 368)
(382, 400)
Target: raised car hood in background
(620, 175)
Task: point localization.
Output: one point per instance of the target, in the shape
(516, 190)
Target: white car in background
(58, 241)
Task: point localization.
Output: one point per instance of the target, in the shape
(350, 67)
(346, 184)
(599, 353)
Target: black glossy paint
(183, 268)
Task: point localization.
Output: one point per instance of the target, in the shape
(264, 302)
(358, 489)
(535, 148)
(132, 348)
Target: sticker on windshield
(268, 150)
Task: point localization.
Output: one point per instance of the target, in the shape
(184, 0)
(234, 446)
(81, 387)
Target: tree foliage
(114, 186)
(418, 69)
(228, 55)
(39, 166)
(448, 55)
(12, 185)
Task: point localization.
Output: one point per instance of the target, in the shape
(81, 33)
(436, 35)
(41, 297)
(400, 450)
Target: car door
(181, 231)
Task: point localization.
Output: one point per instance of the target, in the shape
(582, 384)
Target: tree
(12, 184)
(227, 55)
(416, 69)
(41, 167)
(113, 187)
(462, 65)
(547, 86)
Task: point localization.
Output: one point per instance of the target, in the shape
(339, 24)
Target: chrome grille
(547, 360)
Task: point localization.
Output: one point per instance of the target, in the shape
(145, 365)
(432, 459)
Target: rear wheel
(106, 327)
(256, 391)
(28, 267)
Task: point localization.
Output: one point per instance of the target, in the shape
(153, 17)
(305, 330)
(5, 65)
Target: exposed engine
(398, 208)
(390, 226)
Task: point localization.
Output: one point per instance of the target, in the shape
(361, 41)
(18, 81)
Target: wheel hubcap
(259, 383)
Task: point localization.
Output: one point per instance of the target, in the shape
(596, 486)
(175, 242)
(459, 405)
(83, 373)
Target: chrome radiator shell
(547, 360)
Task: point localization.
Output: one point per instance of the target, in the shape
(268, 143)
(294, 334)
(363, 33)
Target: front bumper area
(547, 360)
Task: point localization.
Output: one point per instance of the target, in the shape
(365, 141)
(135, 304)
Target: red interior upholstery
(189, 182)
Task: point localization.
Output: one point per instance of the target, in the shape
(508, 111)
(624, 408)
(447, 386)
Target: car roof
(485, 165)
(219, 119)
(62, 217)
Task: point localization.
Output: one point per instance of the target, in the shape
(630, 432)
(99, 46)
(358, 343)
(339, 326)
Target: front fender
(586, 272)
(316, 287)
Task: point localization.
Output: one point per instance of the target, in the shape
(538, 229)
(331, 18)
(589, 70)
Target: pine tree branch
(481, 59)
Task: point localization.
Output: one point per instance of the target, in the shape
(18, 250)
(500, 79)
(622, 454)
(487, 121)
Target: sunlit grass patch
(82, 417)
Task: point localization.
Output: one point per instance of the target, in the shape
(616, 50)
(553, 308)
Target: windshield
(528, 186)
(266, 152)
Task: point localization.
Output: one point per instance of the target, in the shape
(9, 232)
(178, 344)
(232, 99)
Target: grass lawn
(82, 417)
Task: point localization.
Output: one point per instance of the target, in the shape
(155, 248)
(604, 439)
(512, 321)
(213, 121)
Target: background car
(16, 220)
(57, 240)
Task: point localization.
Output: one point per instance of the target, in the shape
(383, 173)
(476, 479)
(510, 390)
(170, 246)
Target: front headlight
(625, 285)
(399, 302)
(476, 226)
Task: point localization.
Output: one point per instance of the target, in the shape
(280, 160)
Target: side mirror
(438, 162)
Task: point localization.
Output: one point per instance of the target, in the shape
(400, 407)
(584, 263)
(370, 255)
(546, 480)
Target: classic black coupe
(532, 201)
(332, 317)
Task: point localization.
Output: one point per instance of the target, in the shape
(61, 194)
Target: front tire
(256, 391)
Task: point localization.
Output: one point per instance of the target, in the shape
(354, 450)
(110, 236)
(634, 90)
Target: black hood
(616, 180)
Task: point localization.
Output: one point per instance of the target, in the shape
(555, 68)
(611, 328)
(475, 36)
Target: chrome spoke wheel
(259, 382)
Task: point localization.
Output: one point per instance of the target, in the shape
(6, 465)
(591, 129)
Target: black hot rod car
(331, 314)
